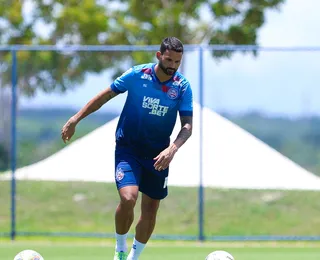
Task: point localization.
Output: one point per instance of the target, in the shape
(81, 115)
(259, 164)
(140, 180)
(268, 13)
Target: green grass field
(89, 207)
(165, 250)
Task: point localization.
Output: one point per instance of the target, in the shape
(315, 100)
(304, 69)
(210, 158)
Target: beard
(167, 71)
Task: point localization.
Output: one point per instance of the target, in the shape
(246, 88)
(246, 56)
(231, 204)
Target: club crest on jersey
(119, 174)
(172, 93)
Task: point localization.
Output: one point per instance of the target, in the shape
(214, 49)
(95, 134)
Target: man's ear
(158, 55)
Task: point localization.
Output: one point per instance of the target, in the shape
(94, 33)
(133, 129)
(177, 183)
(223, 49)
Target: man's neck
(160, 74)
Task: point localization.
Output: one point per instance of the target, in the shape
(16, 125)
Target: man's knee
(128, 197)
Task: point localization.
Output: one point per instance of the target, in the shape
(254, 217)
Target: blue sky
(274, 82)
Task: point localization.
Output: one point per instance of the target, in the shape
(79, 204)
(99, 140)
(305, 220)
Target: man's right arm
(120, 85)
(94, 104)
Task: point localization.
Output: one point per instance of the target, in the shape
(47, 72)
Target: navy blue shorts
(139, 171)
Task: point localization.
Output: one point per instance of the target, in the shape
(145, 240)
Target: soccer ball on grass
(220, 255)
(28, 255)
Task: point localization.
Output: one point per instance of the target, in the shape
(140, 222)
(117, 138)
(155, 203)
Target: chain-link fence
(254, 150)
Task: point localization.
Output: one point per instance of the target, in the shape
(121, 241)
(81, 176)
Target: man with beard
(156, 94)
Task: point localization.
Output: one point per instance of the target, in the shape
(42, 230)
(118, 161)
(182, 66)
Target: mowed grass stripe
(191, 251)
(44, 206)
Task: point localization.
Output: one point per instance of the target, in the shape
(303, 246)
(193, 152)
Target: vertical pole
(13, 141)
(201, 191)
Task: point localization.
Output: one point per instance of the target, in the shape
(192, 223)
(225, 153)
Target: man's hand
(165, 157)
(68, 129)
(93, 105)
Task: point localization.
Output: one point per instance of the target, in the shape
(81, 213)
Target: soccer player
(157, 93)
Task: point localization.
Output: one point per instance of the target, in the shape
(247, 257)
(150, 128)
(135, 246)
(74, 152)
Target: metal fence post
(13, 141)
(201, 191)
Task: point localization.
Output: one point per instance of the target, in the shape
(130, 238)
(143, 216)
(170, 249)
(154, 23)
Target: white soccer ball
(219, 255)
(28, 255)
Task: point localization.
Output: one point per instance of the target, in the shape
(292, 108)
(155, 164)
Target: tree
(227, 21)
(134, 22)
(65, 23)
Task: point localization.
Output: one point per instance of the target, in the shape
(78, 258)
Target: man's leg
(125, 210)
(127, 177)
(145, 226)
(123, 219)
(147, 221)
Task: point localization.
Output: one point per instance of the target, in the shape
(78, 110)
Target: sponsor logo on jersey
(147, 72)
(146, 76)
(177, 81)
(153, 104)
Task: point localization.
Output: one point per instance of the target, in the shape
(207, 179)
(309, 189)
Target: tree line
(108, 22)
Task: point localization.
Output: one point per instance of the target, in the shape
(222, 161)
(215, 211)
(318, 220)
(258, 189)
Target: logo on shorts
(172, 93)
(119, 174)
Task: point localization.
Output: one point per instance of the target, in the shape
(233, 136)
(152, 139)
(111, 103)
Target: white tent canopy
(232, 158)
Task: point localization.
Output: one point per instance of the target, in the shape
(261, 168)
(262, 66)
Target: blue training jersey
(150, 111)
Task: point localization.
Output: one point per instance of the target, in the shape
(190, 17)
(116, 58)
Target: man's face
(169, 61)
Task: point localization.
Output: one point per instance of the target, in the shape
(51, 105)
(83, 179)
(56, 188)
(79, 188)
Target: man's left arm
(165, 157)
(185, 132)
(185, 111)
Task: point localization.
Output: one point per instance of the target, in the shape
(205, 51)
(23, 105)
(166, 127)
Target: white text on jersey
(154, 105)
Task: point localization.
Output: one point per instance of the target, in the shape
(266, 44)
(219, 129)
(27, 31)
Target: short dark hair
(171, 44)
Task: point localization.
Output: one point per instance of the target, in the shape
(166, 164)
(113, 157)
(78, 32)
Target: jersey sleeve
(123, 82)
(186, 105)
